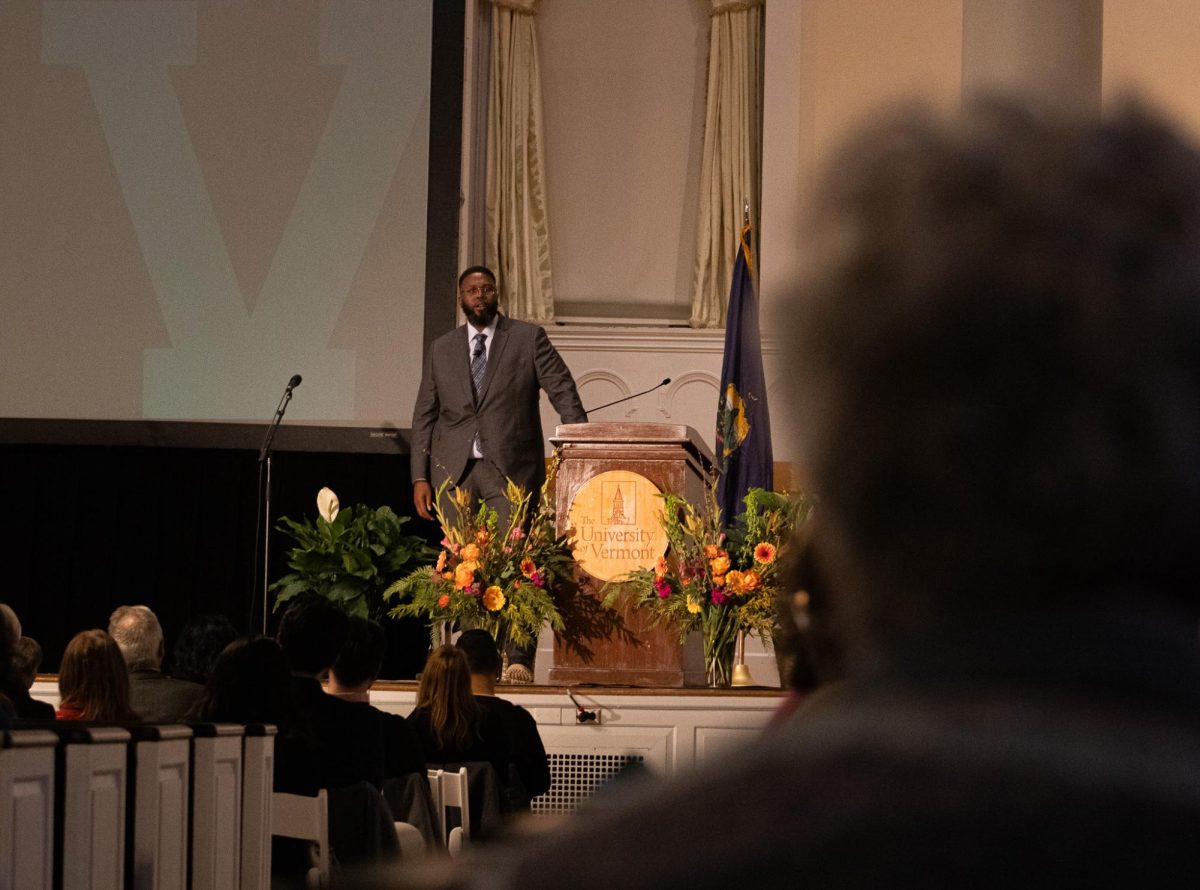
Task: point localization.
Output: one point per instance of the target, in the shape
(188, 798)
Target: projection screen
(202, 199)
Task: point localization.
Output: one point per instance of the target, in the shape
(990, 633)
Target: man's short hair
(139, 636)
(26, 659)
(476, 270)
(311, 633)
(481, 652)
(361, 657)
(199, 645)
(997, 363)
(10, 624)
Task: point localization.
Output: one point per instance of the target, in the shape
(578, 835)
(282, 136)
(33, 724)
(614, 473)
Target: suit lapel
(493, 357)
(464, 363)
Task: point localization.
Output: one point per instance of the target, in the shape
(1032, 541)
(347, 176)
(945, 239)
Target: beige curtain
(730, 165)
(518, 239)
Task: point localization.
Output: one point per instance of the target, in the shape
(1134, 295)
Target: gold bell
(741, 675)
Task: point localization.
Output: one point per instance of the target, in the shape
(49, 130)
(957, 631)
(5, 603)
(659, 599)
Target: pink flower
(473, 590)
(516, 534)
(536, 579)
(507, 551)
(662, 588)
(718, 596)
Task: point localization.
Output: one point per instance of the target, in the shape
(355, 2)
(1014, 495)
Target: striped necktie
(478, 364)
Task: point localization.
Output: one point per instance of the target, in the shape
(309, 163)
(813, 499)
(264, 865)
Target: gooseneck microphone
(665, 381)
(264, 501)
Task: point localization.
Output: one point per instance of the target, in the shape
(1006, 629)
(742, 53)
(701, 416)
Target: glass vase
(718, 661)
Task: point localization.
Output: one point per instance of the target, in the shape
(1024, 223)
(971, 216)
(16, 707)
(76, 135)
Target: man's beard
(481, 319)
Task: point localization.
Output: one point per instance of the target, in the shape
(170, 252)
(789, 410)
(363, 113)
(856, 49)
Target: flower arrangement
(349, 555)
(499, 580)
(717, 580)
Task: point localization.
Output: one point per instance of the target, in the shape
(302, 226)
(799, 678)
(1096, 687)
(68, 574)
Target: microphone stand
(264, 461)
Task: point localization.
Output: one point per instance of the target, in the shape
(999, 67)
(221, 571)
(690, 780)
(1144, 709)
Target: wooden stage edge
(410, 686)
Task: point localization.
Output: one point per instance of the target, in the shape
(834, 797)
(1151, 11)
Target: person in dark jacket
(529, 769)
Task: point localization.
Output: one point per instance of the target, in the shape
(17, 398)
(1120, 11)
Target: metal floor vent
(576, 777)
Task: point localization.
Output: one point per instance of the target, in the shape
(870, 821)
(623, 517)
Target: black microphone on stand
(665, 381)
(264, 503)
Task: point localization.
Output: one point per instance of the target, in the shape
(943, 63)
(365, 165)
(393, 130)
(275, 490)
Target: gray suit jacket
(521, 363)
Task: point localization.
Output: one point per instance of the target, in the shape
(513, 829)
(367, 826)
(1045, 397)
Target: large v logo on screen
(226, 362)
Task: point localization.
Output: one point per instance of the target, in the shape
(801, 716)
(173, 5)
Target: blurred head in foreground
(997, 367)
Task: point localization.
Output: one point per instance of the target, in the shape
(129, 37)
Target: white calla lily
(327, 504)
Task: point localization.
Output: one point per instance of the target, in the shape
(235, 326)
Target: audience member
(996, 354)
(350, 740)
(93, 682)
(448, 720)
(155, 696)
(250, 683)
(200, 643)
(10, 632)
(356, 667)
(529, 769)
(26, 659)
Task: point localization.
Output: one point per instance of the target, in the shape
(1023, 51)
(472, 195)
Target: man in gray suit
(477, 420)
(156, 697)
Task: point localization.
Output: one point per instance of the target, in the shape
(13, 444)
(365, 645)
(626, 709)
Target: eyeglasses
(480, 289)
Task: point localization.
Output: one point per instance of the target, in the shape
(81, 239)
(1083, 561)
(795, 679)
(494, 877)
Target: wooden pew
(27, 795)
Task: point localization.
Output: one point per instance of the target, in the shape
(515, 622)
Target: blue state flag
(743, 424)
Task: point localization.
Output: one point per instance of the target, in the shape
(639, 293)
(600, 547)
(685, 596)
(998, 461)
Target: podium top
(630, 433)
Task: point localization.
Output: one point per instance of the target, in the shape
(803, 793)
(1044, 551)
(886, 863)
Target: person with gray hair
(10, 632)
(154, 695)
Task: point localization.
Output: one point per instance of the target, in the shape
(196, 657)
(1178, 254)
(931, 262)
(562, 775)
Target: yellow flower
(764, 553)
(493, 599)
(469, 553)
(751, 580)
(464, 574)
(692, 605)
(720, 565)
(462, 498)
(449, 576)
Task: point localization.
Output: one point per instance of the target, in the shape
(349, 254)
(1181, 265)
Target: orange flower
(469, 552)
(441, 563)
(719, 565)
(660, 567)
(712, 551)
(764, 553)
(735, 581)
(493, 599)
(528, 567)
(464, 574)
(449, 576)
(443, 600)
(751, 581)
(718, 580)
(482, 537)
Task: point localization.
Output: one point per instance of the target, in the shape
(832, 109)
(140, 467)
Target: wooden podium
(608, 478)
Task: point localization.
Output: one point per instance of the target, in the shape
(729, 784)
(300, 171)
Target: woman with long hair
(93, 682)
(451, 726)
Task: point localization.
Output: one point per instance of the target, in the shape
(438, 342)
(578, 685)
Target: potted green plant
(349, 555)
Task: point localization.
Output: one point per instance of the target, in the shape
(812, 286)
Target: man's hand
(423, 499)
